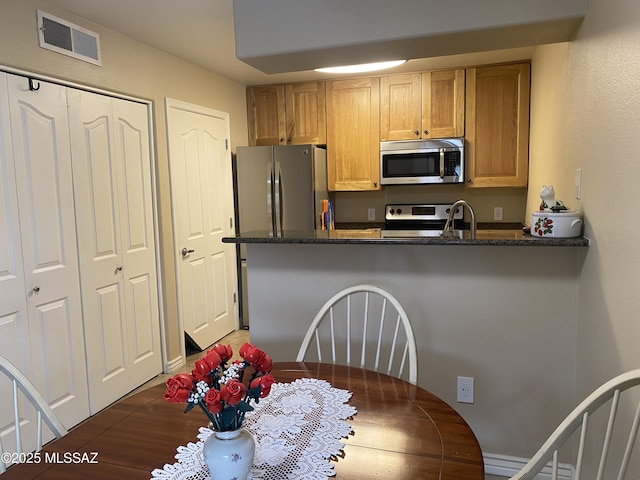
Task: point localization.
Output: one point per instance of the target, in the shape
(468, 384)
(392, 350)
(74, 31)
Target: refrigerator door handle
(269, 190)
(279, 198)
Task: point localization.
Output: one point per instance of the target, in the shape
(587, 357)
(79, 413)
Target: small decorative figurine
(549, 202)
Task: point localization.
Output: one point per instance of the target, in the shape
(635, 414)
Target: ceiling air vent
(64, 37)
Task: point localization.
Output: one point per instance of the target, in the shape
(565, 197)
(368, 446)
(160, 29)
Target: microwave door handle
(442, 163)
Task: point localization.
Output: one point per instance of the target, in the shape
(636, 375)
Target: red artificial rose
(250, 353)
(213, 359)
(224, 351)
(233, 392)
(264, 383)
(263, 364)
(178, 388)
(213, 401)
(198, 377)
(210, 361)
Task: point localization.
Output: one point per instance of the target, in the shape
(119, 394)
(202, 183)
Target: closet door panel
(95, 177)
(138, 245)
(112, 179)
(40, 139)
(13, 304)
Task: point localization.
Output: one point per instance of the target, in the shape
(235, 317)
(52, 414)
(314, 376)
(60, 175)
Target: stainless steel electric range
(419, 220)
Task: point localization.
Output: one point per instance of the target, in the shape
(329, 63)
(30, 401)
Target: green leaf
(227, 416)
(244, 407)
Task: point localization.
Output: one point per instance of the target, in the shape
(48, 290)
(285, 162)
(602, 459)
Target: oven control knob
(399, 211)
(448, 210)
(392, 211)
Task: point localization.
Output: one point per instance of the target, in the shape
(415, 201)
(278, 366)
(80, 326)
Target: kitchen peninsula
(499, 308)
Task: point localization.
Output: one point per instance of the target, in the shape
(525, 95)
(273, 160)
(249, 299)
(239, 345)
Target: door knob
(186, 251)
(36, 289)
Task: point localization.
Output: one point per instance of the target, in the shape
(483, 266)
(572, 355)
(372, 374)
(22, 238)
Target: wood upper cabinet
(306, 113)
(427, 105)
(266, 115)
(286, 114)
(353, 129)
(497, 125)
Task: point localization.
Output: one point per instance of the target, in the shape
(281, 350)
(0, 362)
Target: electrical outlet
(371, 214)
(497, 213)
(465, 389)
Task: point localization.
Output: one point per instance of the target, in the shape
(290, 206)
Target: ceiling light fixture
(364, 67)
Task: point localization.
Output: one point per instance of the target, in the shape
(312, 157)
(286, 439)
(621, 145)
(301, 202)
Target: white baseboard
(507, 466)
(173, 365)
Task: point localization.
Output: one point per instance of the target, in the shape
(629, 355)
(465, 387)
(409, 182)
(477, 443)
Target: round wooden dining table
(400, 431)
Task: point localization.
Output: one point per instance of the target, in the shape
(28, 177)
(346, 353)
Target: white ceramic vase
(229, 455)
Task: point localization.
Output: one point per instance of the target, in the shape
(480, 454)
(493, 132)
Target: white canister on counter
(566, 224)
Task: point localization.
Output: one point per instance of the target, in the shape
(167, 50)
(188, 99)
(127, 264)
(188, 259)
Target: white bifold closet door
(114, 212)
(40, 307)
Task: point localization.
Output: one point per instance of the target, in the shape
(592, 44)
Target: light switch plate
(578, 183)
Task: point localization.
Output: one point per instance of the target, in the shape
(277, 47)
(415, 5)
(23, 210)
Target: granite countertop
(489, 237)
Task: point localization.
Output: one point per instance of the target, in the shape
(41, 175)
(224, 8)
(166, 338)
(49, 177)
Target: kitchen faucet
(448, 227)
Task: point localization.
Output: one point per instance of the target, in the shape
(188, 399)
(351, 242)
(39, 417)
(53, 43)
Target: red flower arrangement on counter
(218, 389)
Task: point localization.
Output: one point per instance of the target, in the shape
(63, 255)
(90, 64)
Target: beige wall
(586, 114)
(132, 68)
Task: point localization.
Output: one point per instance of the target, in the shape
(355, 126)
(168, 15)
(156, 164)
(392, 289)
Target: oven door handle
(442, 163)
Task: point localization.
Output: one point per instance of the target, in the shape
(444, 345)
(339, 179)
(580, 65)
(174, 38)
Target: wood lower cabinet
(287, 114)
(353, 142)
(426, 105)
(497, 125)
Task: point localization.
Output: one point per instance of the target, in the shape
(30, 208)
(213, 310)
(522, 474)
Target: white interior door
(14, 327)
(40, 139)
(112, 178)
(202, 205)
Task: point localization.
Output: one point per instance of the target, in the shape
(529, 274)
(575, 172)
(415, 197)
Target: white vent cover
(64, 37)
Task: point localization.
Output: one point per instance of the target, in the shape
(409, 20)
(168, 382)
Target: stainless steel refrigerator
(277, 188)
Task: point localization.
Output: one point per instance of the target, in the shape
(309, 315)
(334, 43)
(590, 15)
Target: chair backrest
(614, 443)
(21, 384)
(370, 323)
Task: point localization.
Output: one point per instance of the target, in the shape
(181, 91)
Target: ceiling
(202, 32)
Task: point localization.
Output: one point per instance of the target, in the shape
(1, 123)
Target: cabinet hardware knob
(185, 251)
(426, 132)
(289, 139)
(375, 184)
(119, 269)
(417, 132)
(468, 180)
(36, 289)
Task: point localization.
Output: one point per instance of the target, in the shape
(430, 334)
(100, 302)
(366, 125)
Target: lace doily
(297, 429)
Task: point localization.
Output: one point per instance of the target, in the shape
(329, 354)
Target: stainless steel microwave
(414, 162)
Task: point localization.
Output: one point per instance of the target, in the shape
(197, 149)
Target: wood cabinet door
(400, 105)
(353, 134)
(443, 104)
(497, 125)
(266, 115)
(305, 113)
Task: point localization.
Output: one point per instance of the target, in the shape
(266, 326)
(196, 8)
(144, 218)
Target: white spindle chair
(364, 315)
(21, 383)
(579, 418)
